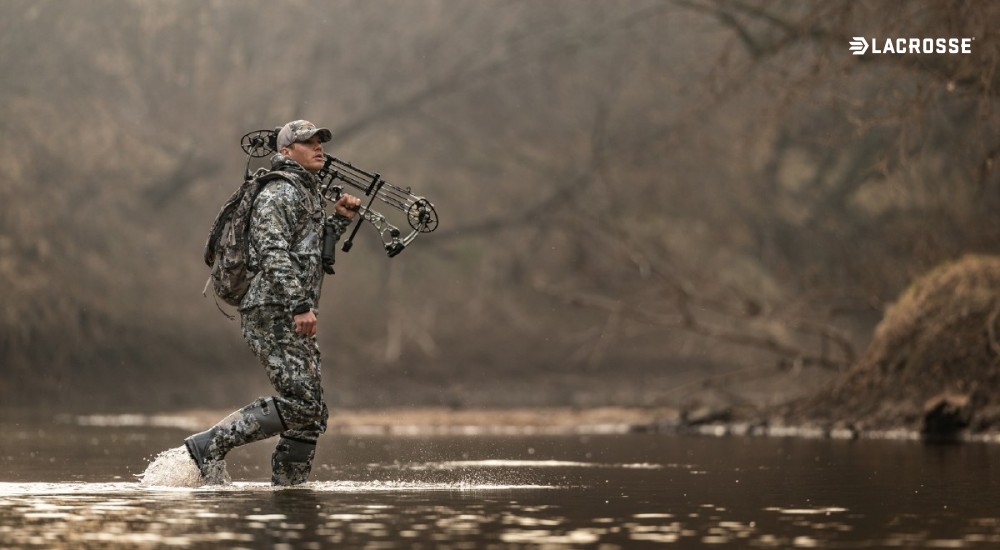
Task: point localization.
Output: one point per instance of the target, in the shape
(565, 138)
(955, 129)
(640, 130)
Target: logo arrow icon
(859, 46)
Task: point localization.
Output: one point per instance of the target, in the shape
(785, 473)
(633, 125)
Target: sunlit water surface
(64, 484)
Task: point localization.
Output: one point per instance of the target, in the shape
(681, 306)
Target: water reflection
(621, 491)
(254, 515)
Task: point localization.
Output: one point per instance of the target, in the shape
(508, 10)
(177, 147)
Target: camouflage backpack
(227, 251)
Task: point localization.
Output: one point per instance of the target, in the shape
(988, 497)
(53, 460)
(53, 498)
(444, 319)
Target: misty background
(642, 203)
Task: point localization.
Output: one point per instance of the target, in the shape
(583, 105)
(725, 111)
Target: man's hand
(305, 323)
(347, 205)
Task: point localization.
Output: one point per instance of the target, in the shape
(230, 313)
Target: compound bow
(419, 211)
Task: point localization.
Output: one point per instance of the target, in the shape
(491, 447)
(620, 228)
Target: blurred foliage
(635, 196)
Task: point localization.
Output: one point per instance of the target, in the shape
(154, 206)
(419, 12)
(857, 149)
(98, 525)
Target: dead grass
(939, 338)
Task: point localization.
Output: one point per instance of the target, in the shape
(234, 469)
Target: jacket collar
(282, 163)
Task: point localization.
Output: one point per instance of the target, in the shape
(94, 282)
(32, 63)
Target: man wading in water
(278, 313)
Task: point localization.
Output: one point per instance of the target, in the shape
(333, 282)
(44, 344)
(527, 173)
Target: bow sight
(419, 211)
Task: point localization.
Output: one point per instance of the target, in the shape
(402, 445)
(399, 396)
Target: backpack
(227, 251)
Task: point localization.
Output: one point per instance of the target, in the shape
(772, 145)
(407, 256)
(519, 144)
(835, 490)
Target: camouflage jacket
(286, 236)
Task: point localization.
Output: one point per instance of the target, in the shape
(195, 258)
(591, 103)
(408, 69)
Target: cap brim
(324, 134)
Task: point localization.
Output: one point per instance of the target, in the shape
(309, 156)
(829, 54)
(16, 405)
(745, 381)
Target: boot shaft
(292, 461)
(258, 420)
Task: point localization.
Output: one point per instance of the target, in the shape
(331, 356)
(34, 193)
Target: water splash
(175, 468)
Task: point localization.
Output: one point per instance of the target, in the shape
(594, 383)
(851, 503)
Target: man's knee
(300, 413)
(316, 413)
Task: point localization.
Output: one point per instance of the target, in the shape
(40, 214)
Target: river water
(64, 483)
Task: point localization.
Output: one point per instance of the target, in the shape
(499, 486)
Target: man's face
(308, 153)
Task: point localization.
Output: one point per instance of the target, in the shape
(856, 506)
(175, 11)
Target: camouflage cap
(300, 130)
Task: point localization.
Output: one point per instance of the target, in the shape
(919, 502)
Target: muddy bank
(933, 366)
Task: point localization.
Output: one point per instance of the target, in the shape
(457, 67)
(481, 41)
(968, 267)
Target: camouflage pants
(292, 363)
